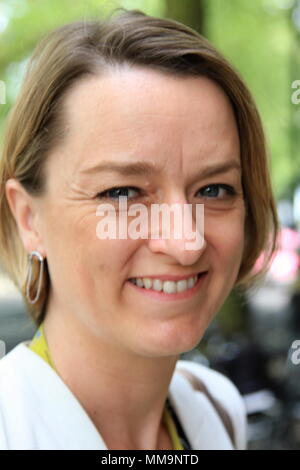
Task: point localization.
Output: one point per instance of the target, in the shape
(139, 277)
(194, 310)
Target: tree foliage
(258, 37)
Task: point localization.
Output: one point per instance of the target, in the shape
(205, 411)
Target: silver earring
(29, 276)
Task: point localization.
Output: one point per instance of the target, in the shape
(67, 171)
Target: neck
(123, 393)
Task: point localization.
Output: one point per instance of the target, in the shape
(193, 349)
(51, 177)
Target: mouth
(164, 290)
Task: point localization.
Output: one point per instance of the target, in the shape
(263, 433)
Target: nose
(183, 237)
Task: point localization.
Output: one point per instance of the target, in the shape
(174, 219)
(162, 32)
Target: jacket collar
(65, 422)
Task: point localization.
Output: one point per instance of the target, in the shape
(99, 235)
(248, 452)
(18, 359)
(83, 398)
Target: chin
(174, 343)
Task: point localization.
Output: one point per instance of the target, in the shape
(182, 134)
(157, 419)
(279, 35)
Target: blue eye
(212, 191)
(115, 193)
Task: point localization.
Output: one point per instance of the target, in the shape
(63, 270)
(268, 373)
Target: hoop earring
(29, 276)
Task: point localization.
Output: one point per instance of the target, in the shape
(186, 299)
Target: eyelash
(230, 190)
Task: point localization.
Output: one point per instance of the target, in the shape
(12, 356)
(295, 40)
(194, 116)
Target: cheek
(68, 240)
(226, 236)
(225, 248)
(102, 268)
(106, 263)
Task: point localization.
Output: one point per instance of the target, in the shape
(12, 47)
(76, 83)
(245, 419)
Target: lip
(163, 297)
(170, 277)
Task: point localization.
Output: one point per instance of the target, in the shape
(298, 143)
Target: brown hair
(74, 51)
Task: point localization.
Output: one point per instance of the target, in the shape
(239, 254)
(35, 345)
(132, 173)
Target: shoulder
(225, 392)
(8, 386)
(14, 395)
(3, 430)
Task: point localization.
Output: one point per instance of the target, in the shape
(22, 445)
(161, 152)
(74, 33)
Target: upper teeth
(169, 287)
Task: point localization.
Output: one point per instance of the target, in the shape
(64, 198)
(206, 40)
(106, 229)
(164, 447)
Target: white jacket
(39, 412)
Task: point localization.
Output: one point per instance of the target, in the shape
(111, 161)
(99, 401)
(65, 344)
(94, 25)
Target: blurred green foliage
(259, 37)
(24, 22)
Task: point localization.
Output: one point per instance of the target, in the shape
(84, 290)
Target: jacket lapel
(64, 421)
(197, 416)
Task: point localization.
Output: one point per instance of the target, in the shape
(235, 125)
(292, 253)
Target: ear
(25, 212)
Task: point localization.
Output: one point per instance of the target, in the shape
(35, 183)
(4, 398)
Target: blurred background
(253, 339)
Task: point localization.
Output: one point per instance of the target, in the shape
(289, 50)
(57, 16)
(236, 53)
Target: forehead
(148, 93)
(133, 109)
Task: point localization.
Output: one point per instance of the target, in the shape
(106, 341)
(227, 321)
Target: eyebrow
(141, 168)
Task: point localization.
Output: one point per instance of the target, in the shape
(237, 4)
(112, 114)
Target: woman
(145, 109)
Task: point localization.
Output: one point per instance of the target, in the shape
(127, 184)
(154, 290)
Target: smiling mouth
(168, 287)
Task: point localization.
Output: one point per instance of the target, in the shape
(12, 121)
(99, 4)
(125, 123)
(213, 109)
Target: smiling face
(184, 128)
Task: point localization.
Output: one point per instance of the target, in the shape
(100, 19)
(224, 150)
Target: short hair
(85, 48)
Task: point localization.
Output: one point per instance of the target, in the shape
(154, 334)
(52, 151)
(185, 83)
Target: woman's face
(184, 127)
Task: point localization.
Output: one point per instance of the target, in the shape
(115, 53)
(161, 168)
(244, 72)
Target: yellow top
(39, 345)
